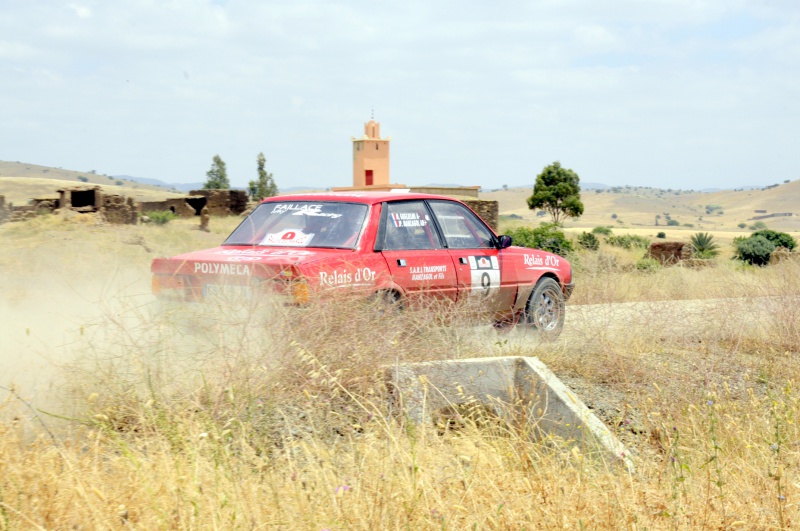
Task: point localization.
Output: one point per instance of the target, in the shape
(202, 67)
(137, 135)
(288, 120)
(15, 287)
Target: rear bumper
(568, 290)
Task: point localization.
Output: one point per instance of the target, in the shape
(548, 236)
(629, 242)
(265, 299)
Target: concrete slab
(521, 391)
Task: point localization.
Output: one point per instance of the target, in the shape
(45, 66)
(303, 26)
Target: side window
(408, 227)
(462, 228)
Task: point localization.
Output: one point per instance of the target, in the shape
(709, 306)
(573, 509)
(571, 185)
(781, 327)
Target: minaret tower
(371, 157)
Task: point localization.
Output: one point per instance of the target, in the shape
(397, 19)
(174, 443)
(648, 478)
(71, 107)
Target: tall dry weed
(257, 415)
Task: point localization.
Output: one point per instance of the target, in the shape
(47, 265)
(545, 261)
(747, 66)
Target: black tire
(545, 309)
(387, 302)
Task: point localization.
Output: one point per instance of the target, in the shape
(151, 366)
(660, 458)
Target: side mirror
(504, 242)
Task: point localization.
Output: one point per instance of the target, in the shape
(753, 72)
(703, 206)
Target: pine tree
(217, 176)
(265, 185)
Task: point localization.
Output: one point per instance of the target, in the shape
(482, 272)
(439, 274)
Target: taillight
(300, 292)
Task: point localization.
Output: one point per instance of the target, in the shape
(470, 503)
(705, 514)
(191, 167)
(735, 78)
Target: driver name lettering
(221, 269)
(407, 219)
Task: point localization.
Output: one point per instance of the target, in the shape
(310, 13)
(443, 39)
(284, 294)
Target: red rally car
(397, 246)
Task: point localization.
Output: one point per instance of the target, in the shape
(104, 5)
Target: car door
(413, 251)
(480, 269)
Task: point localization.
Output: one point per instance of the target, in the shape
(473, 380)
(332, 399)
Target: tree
(217, 176)
(264, 186)
(558, 191)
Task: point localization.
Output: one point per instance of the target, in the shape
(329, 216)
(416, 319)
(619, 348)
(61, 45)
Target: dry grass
(258, 416)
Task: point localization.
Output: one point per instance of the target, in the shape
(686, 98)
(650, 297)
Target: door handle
(401, 262)
(463, 260)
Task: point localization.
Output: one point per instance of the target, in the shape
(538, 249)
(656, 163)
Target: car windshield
(301, 224)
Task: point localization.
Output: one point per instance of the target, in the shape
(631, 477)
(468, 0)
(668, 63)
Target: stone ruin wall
(487, 210)
(224, 202)
(669, 253)
(180, 206)
(119, 210)
(11, 213)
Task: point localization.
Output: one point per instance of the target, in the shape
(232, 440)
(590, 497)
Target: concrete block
(521, 391)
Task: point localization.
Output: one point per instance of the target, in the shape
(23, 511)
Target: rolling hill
(20, 182)
(637, 208)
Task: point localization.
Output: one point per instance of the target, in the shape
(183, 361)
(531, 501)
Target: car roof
(355, 197)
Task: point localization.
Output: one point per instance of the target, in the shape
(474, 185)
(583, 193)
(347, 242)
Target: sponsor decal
(288, 238)
(485, 273)
(265, 252)
(243, 259)
(303, 210)
(433, 272)
(215, 268)
(345, 277)
(407, 219)
(538, 260)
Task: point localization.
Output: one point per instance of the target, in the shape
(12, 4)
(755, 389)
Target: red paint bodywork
(304, 273)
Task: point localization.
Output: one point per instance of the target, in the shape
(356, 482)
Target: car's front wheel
(545, 309)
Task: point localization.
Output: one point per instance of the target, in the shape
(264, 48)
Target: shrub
(648, 264)
(628, 241)
(589, 241)
(758, 225)
(673, 222)
(780, 239)
(161, 217)
(613, 216)
(754, 250)
(83, 179)
(661, 235)
(704, 246)
(546, 237)
(606, 231)
(742, 225)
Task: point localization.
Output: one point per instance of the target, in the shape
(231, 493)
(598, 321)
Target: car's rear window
(301, 224)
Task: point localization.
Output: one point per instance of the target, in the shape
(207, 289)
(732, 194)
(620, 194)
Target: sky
(689, 94)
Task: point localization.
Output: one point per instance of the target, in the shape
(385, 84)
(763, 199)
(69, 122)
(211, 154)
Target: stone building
(114, 208)
(371, 157)
(371, 173)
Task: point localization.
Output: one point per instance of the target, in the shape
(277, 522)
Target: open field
(257, 416)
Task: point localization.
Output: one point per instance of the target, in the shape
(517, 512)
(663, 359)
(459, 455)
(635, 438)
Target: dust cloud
(56, 297)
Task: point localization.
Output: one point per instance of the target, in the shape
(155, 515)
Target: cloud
(81, 11)
(157, 88)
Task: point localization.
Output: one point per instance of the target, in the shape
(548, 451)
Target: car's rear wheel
(387, 302)
(545, 309)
